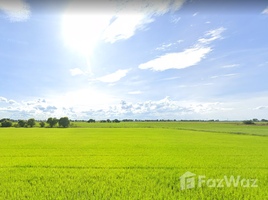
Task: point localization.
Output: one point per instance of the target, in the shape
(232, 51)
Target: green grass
(127, 163)
(226, 127)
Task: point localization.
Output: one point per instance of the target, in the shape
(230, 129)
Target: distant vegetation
(65, 122)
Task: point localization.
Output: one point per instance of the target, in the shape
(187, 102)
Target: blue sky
(134, 59)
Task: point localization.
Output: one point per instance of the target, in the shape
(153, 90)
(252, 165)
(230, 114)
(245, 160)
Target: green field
(136, 160)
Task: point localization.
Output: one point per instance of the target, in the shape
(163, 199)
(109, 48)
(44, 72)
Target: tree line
(63, 122)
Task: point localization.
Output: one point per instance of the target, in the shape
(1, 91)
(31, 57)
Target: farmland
(135, 160)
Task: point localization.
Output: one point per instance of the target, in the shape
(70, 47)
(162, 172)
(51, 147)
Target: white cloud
(213, 34)
(180, 60)
(2, 99)
(187, 58)
(265, 11)
(76, 72)
(114, 77)
(135, 92)
(171, 78)
(125, 26)
(16, 10)
(214, 76)
(261, 108)
(165, 108)
(11, 101)
(176, 20)
(230, 66)
(195, 14)
(229, 74)
(164, 47)
(121, 19)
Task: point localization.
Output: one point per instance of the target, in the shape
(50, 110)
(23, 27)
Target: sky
(142, 59)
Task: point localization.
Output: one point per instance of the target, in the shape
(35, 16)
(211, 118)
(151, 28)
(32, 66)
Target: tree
(42, 124)
(31, 122)
(91, 121)
(108, 120)
(116, 121)
(264, 120)
(102, 121)
(255, 120)
(21, 123)
(52, 121)
(6, 123)
(64, 121)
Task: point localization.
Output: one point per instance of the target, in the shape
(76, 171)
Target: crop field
(135, 160)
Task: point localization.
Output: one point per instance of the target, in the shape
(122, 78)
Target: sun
(83, 30)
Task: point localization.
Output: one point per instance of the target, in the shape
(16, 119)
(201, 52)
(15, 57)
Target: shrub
(248, 122)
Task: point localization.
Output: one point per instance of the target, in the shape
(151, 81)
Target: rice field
(132, 162)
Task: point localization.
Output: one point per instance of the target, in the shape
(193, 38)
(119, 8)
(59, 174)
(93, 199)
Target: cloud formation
(76, 71)
(3, 100)
(121, 19)
(16, 10)
(213, 35)
(230, 66)
(265, 11)
(186, 58)
(135, 92)
(114, 77)
(180, 60)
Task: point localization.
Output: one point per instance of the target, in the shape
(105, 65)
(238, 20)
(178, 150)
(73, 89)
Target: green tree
(116, 121)
(52, 121)
(108, 120)
(31, 122)
(6, 123)
(42, 124)
(91, 121)
(248, 122)
(4, 119)
(64, 121)
(21, 123)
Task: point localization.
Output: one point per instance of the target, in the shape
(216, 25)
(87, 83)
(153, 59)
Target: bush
(248, 122)
(6, 123)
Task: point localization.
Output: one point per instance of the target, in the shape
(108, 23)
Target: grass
(128, 163)
(226, 127)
